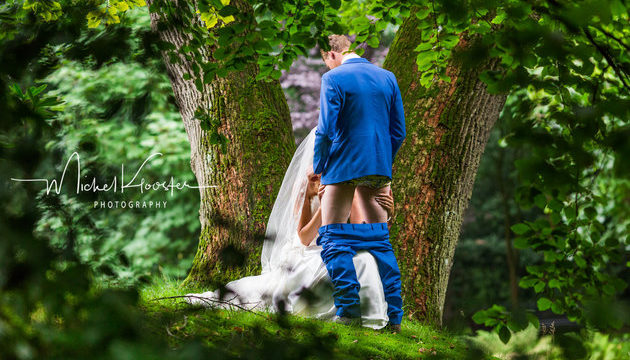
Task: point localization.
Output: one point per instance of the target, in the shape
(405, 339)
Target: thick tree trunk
(255, 118)
(434, 172)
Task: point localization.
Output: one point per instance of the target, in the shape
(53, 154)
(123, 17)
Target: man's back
(361, 123)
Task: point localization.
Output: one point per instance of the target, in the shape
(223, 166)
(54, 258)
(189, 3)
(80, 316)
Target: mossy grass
(238, 333)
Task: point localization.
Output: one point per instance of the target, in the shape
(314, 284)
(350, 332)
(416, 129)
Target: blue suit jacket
(361, 122)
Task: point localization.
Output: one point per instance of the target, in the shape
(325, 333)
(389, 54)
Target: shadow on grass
(264, 335)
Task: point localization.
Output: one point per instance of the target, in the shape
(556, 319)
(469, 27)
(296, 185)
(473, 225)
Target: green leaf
(16, 89)
(579, 261)
(36, 90)
(555, 205)
(445, 77)
(554, 283)
(422, 13)
(590, 212)
(520, 228)
(208, 76)
(424, 46)
(499, 18)
(404, 11)
(221, 72)
(556, 308)
(518, 320)
(228, 10)
(617, 8)
(450, 40)
(220, 53)
(505, 334)
(373, 42)
(540, 200)
(199, 84)
(533, 319)
(480, 317)
(521, 243)
(165, 45)
(526, 282)
(275, 74)
(543, 304)
(262, 46)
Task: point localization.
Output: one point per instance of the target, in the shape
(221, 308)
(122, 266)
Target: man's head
(338, 45)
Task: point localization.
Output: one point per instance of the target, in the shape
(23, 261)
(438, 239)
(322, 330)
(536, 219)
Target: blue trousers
(340, 242)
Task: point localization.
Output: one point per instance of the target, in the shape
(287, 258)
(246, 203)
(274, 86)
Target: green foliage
(481, 272)
(115, 115)
(548, 344)
(605, 346)
(49, 305)
(47, 10)
(568, 110)
(503, 321)
(572, 176)
(108, 12)
(40, 102)
(571, 180)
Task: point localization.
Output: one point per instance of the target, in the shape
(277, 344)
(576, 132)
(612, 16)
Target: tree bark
(255, 118)
(448, 127)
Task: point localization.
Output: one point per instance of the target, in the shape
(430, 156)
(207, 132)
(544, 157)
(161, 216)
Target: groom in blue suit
(361, 126)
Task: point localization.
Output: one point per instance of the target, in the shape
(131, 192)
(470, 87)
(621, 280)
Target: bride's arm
(309, 224)
(387, 201)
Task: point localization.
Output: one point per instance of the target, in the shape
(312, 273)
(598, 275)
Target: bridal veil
(282, 243)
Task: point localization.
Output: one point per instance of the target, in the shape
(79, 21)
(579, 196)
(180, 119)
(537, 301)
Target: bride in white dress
(294, 277)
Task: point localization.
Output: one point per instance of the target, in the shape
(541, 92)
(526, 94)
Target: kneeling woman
(294, 276)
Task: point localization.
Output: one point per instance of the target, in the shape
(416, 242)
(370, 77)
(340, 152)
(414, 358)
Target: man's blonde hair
(338, 43)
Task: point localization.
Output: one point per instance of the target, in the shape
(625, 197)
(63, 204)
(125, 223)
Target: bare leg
(336, 203)
(368, 209)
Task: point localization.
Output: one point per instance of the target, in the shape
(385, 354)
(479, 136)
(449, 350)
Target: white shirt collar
(348, 56)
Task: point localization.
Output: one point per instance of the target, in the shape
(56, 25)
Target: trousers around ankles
(340, 242)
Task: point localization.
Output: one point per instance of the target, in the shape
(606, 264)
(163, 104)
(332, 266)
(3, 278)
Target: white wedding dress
(288, 267)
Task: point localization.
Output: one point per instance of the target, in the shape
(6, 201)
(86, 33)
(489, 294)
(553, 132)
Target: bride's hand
(312, 186)
(387, 202)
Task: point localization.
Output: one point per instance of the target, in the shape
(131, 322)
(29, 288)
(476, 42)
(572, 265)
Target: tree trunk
(448, 127)
(255, 118)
